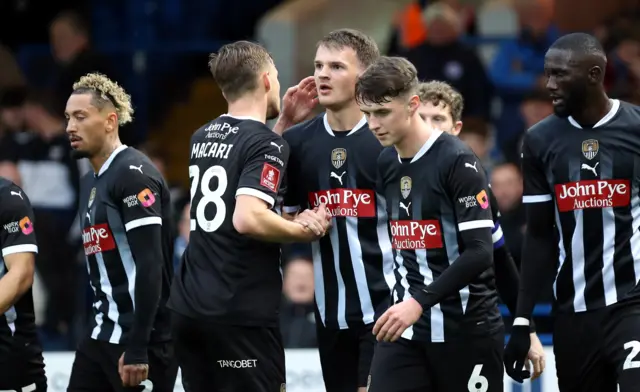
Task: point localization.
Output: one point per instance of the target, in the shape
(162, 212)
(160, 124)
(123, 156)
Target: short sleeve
(264, 169)
(468, 187)
(535, 186)
(139, 197)
(16, 219)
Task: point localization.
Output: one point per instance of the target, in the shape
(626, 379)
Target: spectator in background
(297, 321)
(51, 178)
(624, 61)
(518, 67)
(534, 107)
(71, 44)
(444, 57)
(182, 240)
(11, 114)
(10, 73)
(506, 183)
(409, 30)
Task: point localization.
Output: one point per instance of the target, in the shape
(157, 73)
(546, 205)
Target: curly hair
(441, 93)
(105, 91)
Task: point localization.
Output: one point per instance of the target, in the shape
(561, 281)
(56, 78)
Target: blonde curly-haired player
(125, 212)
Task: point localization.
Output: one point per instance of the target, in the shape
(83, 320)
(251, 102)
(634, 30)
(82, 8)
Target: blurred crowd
(504, 94)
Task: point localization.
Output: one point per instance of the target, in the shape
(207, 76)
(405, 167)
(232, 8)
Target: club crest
(590, 148)
(338, 157)
(405, 186)
(283, 387)
(92, 197)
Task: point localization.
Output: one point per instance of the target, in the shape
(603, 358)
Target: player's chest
(589, 169)
(342, 175)
(413, 194)
(100, 222)
(339, 163)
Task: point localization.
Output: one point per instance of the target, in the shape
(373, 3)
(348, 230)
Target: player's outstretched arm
(18, 243)
(253, 217)
(257, 192)
(474, 224)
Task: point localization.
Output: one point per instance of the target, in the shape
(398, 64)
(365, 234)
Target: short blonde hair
(105, 90)
(437, 93)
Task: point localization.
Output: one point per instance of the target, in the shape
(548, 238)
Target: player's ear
(595, 75)
(414, 104)
(111, 122)
(457, 128)
(266, 81)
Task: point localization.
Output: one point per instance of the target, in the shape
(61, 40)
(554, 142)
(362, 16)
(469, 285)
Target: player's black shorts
(466, 364)
(95, 368)
(228, 358)
(22, 367)
(345, 356)
(596, 350)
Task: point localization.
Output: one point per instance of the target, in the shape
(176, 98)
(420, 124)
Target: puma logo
(277, 146)
(406, 208)
(19, 194)
(138, 168)
(339, 177)
(591, 169)
(471, 166)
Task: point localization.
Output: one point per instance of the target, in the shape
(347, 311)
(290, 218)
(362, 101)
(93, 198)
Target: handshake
(316, 222)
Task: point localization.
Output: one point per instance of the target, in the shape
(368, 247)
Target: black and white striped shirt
(432, 199)
(20, 350)
(592, 175)
(127, 193)
(339, 169)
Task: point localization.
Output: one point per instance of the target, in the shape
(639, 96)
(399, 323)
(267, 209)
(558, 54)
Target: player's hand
(132, 375)
(396, 320)
(516, 351)
(299, 101)
(536, 357)
(317, 221)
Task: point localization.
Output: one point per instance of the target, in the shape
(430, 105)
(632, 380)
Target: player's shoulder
(11, 194)
(301, 132)
(546, 129)
(628, 112)
(450, 148)
(132, 163)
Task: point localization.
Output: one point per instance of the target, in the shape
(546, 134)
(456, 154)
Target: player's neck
(249, 107)
(598, 108)
(99, 159)
(418, 134)
(344, 119)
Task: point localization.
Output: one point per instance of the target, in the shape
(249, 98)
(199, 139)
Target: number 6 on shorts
(477, 382)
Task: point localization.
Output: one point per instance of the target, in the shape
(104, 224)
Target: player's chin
(77, 153)
(330, 101)
(561, 110)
